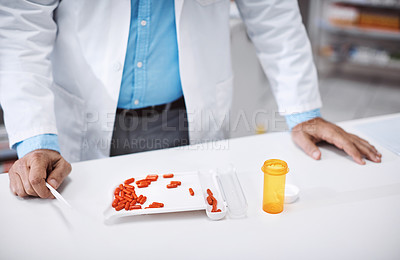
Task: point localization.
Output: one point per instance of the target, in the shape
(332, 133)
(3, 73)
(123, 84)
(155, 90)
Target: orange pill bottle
(275, 171)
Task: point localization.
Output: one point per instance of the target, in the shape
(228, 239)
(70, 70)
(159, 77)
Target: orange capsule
(117, 190)
(121, 186)
(127, 186)
(143, 200)
(115, 203)
(118, 197)
(214, 205)
(119, 207)
(127, 205)
(135, 207)
(130, 191)
(143, 185)
(122, 194)
(170, 175)
(142, 181)
(134, 195)
(122, 201)
(129, 181)
(128, 199)
(158, 204)
(127, 191)
(152, 177)
(216, 210)
(139, 198)
(176, 182)
(170, 186)
(133, 202)
(191, 192)
(213, 198)
(209, 192)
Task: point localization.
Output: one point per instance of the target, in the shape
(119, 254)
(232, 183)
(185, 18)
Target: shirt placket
(142, 46)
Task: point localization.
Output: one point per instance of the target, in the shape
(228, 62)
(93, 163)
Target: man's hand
(308, 133)
(29, 174)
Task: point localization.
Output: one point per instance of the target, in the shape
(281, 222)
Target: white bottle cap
(291, 193)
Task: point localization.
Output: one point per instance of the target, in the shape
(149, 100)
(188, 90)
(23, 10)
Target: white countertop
(345, 211)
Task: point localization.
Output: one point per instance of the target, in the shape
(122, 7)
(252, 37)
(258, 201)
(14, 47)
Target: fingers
(338, 137)
(352, 150)
(38, 174)
(307, 143)
(13, 183)
(16, 184)
(23, 174)
(355, 146)
(57, 176)
(368, 153)
(367, 150)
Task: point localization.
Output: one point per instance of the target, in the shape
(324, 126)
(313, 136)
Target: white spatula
(57, 195)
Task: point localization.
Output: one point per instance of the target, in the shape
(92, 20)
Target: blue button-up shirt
(151, 69)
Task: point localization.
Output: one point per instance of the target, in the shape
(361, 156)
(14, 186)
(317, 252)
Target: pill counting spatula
(58, 195)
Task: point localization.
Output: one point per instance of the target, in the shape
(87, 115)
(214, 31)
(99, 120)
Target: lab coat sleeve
(284, 50)
(27, 35)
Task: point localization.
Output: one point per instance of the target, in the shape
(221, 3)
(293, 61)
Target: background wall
(355, 81)
(350, 87)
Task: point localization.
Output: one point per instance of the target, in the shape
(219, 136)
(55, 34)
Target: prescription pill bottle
(275, 171)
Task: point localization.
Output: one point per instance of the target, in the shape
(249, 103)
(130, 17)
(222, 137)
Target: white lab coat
(61, 66)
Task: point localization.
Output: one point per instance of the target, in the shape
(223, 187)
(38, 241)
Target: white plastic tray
(175, 199)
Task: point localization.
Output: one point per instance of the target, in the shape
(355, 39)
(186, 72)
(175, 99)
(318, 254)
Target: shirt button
(139, 64)
(116, 66)
(136, 102)
(143, 23)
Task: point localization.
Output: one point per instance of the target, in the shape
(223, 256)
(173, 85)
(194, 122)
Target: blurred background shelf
(360, 32)
(373, 3)
(395, 67)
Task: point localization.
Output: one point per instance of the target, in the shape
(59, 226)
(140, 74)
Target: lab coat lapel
(178, 11)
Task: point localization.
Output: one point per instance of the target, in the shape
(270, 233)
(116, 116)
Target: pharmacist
(82, 80)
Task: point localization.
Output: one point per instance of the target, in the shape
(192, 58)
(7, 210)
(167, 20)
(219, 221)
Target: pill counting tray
(224, 184)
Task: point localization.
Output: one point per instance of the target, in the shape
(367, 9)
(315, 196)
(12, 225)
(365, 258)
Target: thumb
(59, 173)
(307, 145)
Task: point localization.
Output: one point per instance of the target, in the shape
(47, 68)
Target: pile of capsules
(126, 198)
